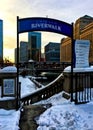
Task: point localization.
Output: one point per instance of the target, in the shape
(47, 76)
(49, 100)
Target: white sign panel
(82, 53)
(8, 86)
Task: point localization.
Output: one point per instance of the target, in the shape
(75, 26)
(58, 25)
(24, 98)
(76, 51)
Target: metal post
(72, 56)
(19, 94)
(17, 61)
(76, 92)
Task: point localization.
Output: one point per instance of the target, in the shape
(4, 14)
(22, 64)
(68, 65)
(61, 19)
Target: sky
(65, 10)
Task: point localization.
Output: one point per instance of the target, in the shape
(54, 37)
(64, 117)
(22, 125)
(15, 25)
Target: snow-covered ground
(63, 115)
(9, 119)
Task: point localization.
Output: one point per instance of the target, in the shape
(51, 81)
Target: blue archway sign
(44, 24)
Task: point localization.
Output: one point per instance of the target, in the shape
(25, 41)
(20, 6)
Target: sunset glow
(64, 10)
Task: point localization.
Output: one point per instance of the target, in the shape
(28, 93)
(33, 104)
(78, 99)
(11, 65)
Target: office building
(52, 52)
(34, 46)
(1, 41)
(65, 50)
(83, 29)
(23, 51)
(80, 24)
(87, 34)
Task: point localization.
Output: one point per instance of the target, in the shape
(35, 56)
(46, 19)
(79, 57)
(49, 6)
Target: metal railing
(43, 93)
(82, 84)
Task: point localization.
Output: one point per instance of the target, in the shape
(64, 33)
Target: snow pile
(87, 69)
(66, 117)
(9, 119)
(9, 69)
(27, 87)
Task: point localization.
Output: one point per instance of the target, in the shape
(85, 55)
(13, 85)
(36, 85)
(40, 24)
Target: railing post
(72, 63)
(76, 76)
(18, 95)
(90, 84)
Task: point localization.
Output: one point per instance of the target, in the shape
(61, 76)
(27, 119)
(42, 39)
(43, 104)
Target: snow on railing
(43, 93)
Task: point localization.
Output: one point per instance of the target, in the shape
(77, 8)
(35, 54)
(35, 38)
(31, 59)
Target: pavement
(30, 112)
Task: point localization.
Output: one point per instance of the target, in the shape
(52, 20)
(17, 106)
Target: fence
(82, 85)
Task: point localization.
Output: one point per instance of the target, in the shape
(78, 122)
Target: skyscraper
(23, 51)
(1, 40)
(34, 46)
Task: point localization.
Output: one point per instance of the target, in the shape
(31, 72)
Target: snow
(27, 87)
(67, 117)
(86, 69)
(9, 119)
(9, 69)
(62, 115)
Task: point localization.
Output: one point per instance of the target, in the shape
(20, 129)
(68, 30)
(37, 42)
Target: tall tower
(23, 51)
(1, 41)
(34, 46)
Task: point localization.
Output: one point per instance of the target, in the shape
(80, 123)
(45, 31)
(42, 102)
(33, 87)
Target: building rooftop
(87, 16)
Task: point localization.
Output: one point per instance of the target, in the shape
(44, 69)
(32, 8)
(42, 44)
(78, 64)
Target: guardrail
(43, 93)
(83, 83)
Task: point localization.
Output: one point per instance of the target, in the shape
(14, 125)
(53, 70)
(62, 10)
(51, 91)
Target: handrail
(43, 93)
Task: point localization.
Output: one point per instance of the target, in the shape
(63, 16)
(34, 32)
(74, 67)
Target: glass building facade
(1, 40)
(23, 51)
(52, 52)
(34, 46)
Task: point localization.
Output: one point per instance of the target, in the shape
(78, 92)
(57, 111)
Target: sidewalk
(27, 121)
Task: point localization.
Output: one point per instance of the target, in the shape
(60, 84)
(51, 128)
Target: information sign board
(8, 87)
(82, 53)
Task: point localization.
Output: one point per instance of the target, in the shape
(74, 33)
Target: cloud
(65, 10)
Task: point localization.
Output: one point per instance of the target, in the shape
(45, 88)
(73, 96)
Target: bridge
(36, 68)
(51, 66)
